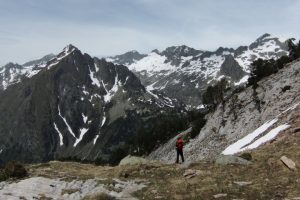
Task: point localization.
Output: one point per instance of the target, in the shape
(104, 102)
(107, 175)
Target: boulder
(243, 183)
(133, 160)
(288, 162)
(229, 159)
(217, 196)
(296, 130)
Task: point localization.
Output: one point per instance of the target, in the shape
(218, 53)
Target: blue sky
(30, 29)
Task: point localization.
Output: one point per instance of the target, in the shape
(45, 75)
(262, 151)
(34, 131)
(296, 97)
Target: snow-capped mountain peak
(180, 67)
(12, 73)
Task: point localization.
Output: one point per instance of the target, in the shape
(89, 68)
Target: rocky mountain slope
(12, 73)
(74, 106)
(247, 120)
(183, 72)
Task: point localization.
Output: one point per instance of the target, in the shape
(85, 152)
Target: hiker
(179, 148)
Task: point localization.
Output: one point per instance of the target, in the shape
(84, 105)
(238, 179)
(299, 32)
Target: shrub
(214, 95)
(246, 156)
(262, 68)
(285, 88)
(13, 170)
(197, 125)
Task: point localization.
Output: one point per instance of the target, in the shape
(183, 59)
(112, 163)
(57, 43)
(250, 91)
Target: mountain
(12, 73)
(74, 106)
(246, 120)
(184, 73)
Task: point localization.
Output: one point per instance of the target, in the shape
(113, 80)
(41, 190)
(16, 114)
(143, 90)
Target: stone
(229, 159)
(154, 191)
(289, 163)
(133, 160)
(39, 187)
(243, 183)
(296, 130)
(190, 173)
(216, 196)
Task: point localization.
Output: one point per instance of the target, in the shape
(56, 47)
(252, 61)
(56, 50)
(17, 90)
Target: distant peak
(155, 51)
(132, 52)
(69, 48)
(263, 37)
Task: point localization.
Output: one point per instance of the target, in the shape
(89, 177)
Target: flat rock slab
(217, 196)
(229, 159)
(133, 160)
(289, 163)
(243, 183)
(190, 173)
(40, 187)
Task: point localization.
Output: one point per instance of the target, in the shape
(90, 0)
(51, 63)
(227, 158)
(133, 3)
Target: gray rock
(231, 68)
(38, 187)
(217, 196)
(228, 159)
(243, 183)
(289, 163)
(133, 160)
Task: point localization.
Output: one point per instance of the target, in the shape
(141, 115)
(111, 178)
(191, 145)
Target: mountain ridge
(180, 67)
(71, 102)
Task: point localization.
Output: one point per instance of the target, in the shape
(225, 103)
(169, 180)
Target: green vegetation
(69, 191)
(215, 94)
(12, 170)
(246, 156)
(263, 68)
(158, 130)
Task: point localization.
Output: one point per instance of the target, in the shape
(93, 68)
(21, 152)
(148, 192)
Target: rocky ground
(267, 177)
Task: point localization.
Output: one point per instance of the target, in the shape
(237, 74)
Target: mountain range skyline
(31, 28)
(57, 51)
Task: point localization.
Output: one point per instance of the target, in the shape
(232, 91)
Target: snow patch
(85, 118)
(200, 106)
(268, 137)
(243, 80)
(152, 63)
(66, 123)
(61, 139)
(113, 90)
(95, 81)
(103, 121)
(149, 88)
(237, 146)
(82, 133)
(95, 139)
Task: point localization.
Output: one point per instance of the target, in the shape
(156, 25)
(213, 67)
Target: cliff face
(274, 104)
